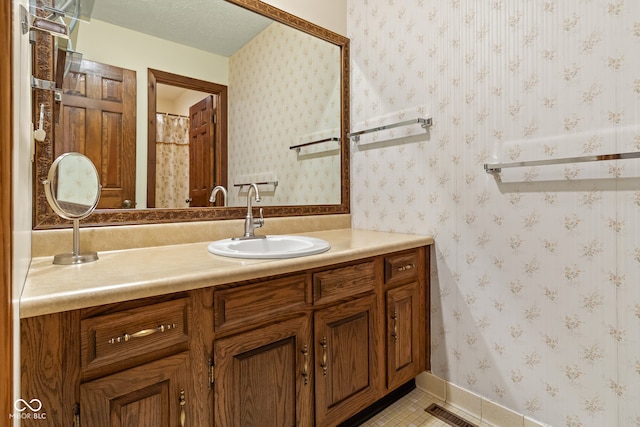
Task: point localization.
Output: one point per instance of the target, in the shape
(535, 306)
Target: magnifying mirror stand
(73, 191)
(75, 257)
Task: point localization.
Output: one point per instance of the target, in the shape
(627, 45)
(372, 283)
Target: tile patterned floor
(409, 411)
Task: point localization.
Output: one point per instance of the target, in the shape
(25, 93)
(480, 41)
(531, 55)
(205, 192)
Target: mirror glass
(72, 187)
(286, 83)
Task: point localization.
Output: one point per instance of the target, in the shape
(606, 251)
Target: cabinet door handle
(406, 267)
(394, 334)
(323, 364)
(183, 415)
(143, 333)
(305, 366)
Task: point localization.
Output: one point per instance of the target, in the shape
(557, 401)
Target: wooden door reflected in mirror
(206, 149)
(98, 119)
(202, 143)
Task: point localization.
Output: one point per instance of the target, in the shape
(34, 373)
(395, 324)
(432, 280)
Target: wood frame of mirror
(45, 218)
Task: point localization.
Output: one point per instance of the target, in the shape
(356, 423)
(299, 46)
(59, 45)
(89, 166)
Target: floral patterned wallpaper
(536, 273)
(298, 101)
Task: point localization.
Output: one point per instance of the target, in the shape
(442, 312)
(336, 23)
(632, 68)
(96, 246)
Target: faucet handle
(260, 222)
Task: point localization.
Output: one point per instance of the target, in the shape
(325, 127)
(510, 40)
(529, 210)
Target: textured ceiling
(210, 25)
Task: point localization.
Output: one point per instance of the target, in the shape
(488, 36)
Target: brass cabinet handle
(183, 415)
(394, 334)
(406, 267)
(143, 333)
(323, 364)
(305, 367)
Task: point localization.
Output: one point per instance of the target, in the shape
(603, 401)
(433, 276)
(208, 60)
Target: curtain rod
(171, 114)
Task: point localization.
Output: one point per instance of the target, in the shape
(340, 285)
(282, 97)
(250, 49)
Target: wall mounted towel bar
(425, 123)
(274, 183)
(299, 146)
(495, 168)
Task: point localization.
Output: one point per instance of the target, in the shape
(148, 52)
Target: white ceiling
(211, 25)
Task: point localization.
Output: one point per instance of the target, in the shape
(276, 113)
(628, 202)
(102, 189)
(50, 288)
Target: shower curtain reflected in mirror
(172, 161)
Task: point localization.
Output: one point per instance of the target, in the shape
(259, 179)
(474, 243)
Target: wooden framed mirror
(44, 69)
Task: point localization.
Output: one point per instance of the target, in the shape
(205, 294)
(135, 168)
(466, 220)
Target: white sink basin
(279, 246)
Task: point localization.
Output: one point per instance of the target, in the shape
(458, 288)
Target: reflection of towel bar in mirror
(274, 183)
(306, 144)
(425, 123)
(497, 167)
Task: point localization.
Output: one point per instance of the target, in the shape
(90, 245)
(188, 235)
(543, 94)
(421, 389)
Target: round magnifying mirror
(73, 191)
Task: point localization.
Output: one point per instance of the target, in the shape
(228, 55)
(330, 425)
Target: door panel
(347, 359)
(145, 396)
(403, 334)
(260, 377)
(98, 119)
(201, 151)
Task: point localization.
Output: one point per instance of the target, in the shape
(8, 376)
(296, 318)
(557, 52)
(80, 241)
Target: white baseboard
(478, 407)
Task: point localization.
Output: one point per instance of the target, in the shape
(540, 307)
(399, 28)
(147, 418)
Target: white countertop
(139, 273)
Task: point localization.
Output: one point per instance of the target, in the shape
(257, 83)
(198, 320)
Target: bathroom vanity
(176, 336)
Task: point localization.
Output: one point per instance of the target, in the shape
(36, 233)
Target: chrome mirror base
(71, 259)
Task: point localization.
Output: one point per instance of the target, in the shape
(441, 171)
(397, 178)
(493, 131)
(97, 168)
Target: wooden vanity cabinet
(304, 349)
(407, 320)
(269, 374)
(132, 364)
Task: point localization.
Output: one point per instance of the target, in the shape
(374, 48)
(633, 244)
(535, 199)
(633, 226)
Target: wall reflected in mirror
(284, 88)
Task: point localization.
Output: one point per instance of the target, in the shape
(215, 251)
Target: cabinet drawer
(161, 329)
(248, 304)
(401, 268)
(332, 285)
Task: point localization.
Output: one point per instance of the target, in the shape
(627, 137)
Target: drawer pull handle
(323, 364)
(183, 415)
(142, 333)
(394, 334)
(305, 366)
(406, 267)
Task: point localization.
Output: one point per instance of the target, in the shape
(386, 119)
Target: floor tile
(409, 411)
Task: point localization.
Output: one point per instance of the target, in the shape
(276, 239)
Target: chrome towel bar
(299, 146)
(425, 123)
(274, 183)
(495, 168)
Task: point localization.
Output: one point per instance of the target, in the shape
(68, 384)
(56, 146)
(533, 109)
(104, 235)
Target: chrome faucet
(250, 224)
(214, 192)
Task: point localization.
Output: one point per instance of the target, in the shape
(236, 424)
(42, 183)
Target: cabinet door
(153, 395)
(403, 334)
(347, 355)
(263, 377)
